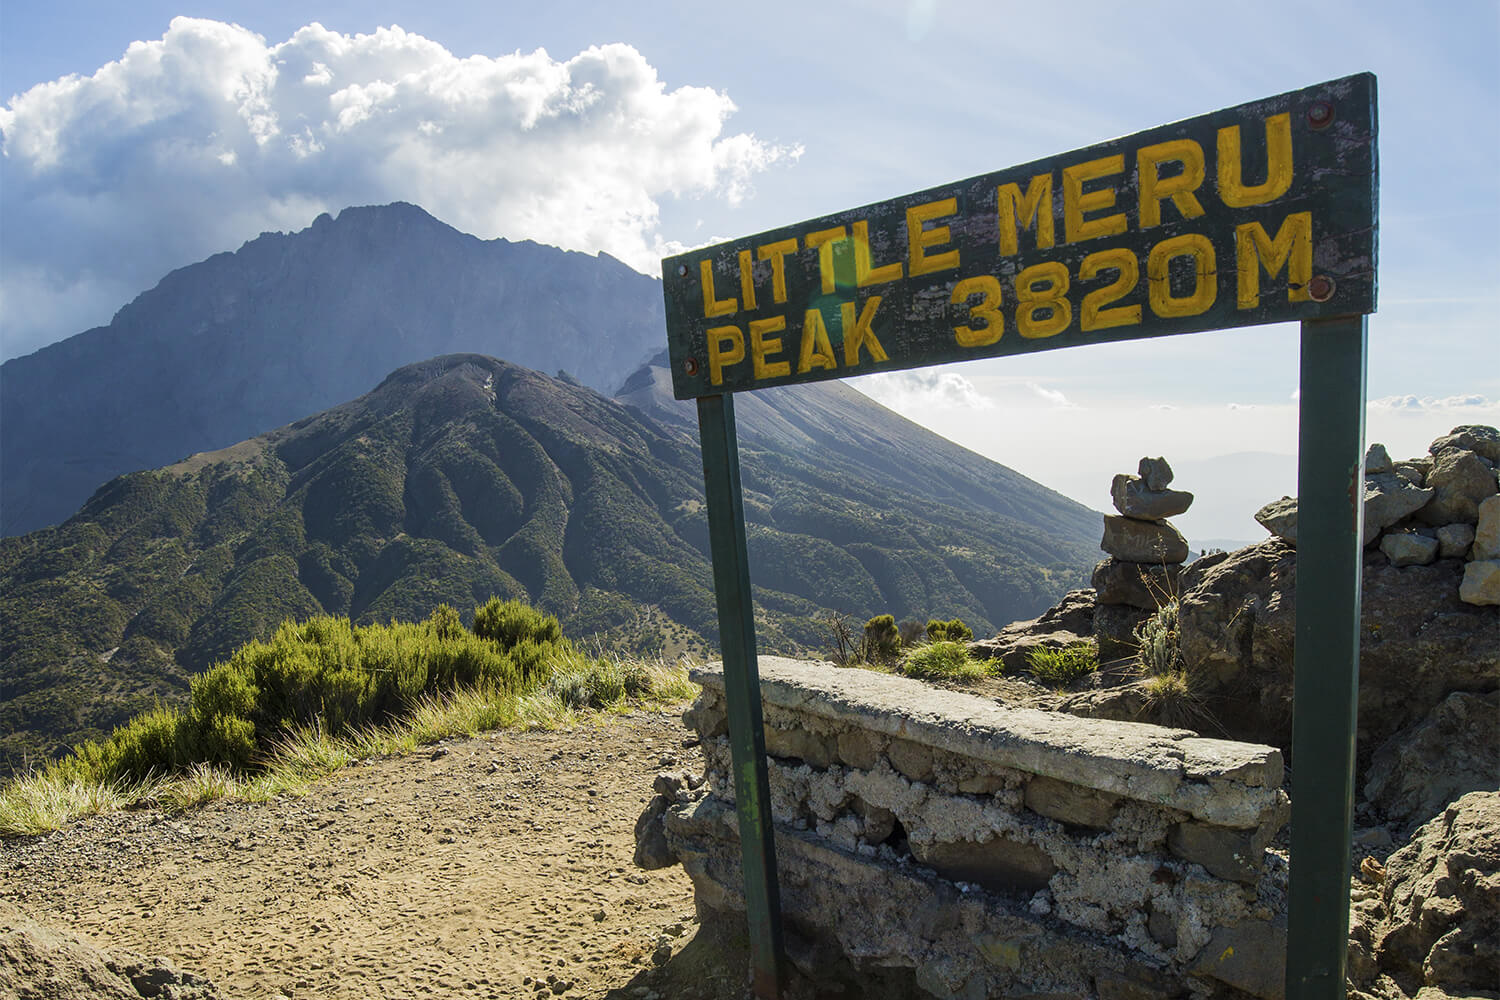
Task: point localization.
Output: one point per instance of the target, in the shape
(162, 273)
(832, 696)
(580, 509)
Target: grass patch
(278, 716)
(1058, 668)
(943, 660)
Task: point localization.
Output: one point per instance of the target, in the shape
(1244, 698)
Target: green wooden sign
(1255, 214)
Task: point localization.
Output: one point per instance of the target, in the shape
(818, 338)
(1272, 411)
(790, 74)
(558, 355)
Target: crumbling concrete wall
(944, 845)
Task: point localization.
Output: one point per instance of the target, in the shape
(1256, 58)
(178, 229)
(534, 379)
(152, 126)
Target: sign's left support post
(747, 737)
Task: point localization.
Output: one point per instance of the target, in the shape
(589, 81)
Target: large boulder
(1461, 481)
(1442, 901)
(1418, 771)
(1418, 641)
(1068, 622)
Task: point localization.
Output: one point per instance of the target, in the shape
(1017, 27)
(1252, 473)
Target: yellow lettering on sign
(919, 240)
(761, 346)
(1052, 277)
(817, 352)
(857, 332)
(1158, 276)
(776, 254)
(987, 287)
(1291, 248)
(1094, 315)
(1017, 211)
(823, 241)
(864, 273)
(1076, 202)
(747, 279)
(718, 357)
(712, 304)
(1155, 188)
(1232, 188)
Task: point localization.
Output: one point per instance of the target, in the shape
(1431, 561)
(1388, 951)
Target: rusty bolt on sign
(1320, 115)
(1320, 288)
(690, 365)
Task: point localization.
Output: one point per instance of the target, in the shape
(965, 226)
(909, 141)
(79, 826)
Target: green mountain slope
(465, 477)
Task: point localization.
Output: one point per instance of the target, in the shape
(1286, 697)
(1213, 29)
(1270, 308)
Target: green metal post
(747, 736)
(1330, 519)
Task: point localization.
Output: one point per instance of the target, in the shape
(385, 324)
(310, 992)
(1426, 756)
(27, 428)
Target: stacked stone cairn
(1146, 554)
(1443, 505)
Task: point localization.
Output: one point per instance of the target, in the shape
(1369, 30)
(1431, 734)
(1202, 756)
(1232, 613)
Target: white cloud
(193, 143)
(914, 393)
(1053, 396)
(1428, 403)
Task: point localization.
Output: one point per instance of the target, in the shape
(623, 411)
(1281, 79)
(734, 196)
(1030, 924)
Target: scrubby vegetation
(1061, 667)
(943, 659)
(324, 692)
(1172, 691)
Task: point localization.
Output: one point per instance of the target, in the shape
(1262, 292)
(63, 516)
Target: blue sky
(833, 105)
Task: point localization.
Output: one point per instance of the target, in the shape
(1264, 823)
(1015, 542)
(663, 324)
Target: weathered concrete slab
(1220, 782)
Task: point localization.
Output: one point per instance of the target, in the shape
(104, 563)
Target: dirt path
(477, 868)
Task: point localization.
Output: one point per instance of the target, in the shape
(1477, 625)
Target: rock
(1412, 472)
(1377, 459)
(1388, 499)
(1072, 619)
(1014, 651)
(1478, 438)
(1486, 440)
(1409, 549)
(1481, 583)
(1462, 481)
(1454, 539)
(38, 962)
(1141, 585)
(651, 850)
(1418, 771)
(1071, 804)
(1487, 532)
(1249, 956)
(1133, 498)
(1227, 853)
(1442, 900)
(1114, 630)
(1156, 472)
(1279, 517)
(1131, 540)
(1418, 641)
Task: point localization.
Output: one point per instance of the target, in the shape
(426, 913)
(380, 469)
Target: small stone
(1389, 499)
(857, 749)
(1156, 472)
(1279, 517)
(911, 759)
(1377, 459)
(1132, 498)
(1227, 853)
(1070, 804)
(1250, 956)
(1409, 550)
(1487, 532)
(1481, 582)
(662, 955)
(438, 753)
(1454, 539)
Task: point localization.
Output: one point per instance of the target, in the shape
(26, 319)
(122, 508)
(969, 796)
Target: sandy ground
(497, 866)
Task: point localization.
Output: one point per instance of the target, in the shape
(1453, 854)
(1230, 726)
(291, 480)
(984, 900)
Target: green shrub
(882, 641)
(511, 622)
(1160, 654)
(948, 660)
(1061, 667)
(950, 631)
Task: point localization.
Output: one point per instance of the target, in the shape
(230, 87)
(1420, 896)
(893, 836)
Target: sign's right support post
(1330, 522)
